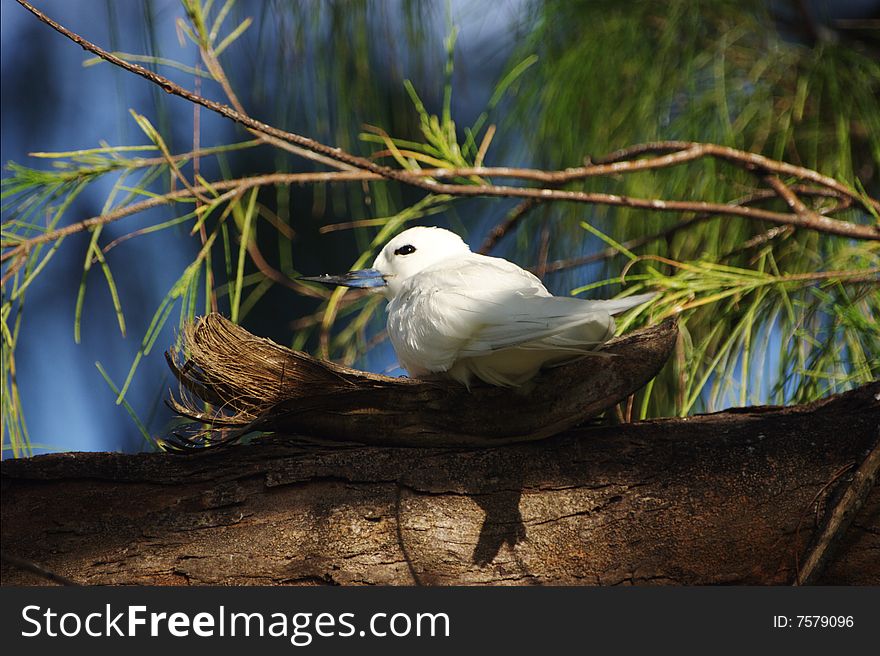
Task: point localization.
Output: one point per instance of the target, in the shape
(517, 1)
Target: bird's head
(404, 256)
(414, 250)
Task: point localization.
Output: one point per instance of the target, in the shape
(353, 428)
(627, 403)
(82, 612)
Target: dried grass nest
(250, 384)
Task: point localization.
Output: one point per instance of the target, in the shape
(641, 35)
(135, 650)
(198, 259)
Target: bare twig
(33, 568)
(839, 518)
(606, 253)
(277, 222)
(348, 225)
(543, 250)
(808, 216)
(219, 75)
(757, 240)
(13, 268)
(755, 197)
(510, 221)
(637, 150)
(276, 276)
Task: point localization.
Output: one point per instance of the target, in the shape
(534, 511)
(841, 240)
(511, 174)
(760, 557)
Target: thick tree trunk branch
(724, 498)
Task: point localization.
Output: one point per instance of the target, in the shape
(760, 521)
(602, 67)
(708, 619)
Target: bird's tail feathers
(618, 305)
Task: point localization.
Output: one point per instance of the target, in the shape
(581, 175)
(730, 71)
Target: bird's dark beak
(363, 278)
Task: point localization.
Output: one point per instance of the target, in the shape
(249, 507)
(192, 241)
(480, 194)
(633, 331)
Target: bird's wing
(481, 305)
(524, 320)
(441, 309)
(557, 321)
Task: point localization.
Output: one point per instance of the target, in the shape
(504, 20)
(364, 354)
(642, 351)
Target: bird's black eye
(405, 250)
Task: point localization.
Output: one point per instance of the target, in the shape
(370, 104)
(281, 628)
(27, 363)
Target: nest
(233, 383)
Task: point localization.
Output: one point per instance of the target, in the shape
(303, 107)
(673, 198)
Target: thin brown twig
(168, 158)
(750, 161)
(830, 226)
(347, 225)
(871, 274)
(196, 166)
(124, 238)
(840, 517)
(544, 249)
(219, 75)
(791, 199)
(637, 150)
(509, 222)
(276, 276)
(815, 504)
(824, 489)
(40, 571)
(758, 240)
(757, 196)
(606, 253)
(630, 402)
(277, 222)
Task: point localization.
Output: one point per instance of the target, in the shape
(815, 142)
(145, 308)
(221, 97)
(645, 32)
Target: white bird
(466, 315)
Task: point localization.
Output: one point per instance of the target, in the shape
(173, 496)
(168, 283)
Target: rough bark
(733, 497)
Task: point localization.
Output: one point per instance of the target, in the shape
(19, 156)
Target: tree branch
(683, 152)
(839, 518)
(652, 502)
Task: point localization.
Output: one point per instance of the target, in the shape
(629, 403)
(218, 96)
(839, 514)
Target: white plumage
(467, 315)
